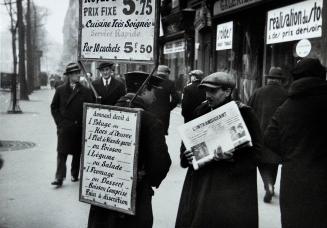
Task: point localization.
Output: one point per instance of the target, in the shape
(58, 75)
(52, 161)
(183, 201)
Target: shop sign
(294, 22)
(174, 47)
(122, 30)
(303, 48)
(224, 36)
(224, 6)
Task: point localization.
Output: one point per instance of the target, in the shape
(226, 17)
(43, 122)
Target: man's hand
(219, 155)
(189, 156)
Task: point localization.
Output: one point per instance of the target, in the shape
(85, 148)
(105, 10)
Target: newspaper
(221, 130)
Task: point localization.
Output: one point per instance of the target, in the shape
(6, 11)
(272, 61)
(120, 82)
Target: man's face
(106, 72)
(74, 77)
(148, 96)
(216, 96)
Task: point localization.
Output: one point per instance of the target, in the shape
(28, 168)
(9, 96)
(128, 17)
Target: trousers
(61, 165)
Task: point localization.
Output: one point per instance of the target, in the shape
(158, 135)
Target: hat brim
(69, 72)
(209, 85)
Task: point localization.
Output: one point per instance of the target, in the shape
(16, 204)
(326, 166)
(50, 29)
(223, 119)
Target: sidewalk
(27, 198)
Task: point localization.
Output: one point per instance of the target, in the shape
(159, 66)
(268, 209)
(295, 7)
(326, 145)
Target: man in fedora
(108, 87)
(67, 112)
(265, 101)
(167, 97)
(153, 163)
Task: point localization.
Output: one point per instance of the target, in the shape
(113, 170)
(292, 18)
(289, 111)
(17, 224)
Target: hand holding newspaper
(214, 134)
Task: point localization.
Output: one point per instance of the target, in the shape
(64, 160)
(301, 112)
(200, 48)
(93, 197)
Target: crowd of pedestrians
(286, 128)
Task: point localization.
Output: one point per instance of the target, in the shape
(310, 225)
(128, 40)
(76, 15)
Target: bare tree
(14, 107)
(29, 49)
(21, 54)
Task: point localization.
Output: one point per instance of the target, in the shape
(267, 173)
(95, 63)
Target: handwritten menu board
(109, 158)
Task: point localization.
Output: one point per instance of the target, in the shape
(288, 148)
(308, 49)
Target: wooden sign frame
(91, 190)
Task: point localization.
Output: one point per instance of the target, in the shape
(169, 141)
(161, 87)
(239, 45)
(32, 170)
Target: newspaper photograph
(221, 130)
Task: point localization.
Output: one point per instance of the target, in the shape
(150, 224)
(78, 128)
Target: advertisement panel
(122, 30)
(224, 36)
(295, 22)
(109, 158)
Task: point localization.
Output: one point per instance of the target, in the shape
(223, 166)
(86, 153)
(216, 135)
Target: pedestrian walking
(222, 193)
(167, 97)
(297, 133)
(192, 95)
(108, 87)
(264, 102)
(67, 112)
(154, 160)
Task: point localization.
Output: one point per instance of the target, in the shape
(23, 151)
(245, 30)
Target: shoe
(267, 197)
(57, 182)
(74, 179)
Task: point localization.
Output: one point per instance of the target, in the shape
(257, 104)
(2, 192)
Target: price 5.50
(129, 47)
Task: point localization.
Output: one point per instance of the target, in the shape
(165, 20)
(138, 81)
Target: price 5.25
(129, 47)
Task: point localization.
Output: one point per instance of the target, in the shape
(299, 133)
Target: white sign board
(109, 159)
(174, 47)
(122, 30)
(223, 6)
(303, 48)
(224, 36)
(295, 22)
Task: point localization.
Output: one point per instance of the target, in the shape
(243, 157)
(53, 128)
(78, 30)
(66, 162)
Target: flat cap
(197, 73)
(218, 79)
(309, 67)
(72, 67)
(105, 64)
(275, 72)
(163, 70)
(135, 79)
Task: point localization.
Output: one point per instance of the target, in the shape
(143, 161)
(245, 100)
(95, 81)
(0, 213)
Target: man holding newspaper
(220, 188)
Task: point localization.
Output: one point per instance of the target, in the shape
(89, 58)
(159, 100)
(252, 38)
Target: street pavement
(27, 200)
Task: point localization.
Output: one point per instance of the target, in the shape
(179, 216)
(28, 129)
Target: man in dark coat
(297, 133)
(108, 87)
(167, 97)
(193, 96)
(265, 101)
(67, 111)
(154, 160)
(222, 193)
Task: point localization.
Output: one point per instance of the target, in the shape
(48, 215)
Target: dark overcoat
(297, 133)
(67, 111)
(154, 161)
(110, 95)
(167, 100)
(223, 193)
(264, 102)
(193, 96)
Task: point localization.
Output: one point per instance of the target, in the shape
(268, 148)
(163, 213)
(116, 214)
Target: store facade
(245, 38)
(266, 33)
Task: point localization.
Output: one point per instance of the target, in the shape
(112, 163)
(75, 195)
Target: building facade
(244, 38)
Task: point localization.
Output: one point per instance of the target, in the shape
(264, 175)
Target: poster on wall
(224, 36)
(295, 22)
(109, 158)
(121, 30)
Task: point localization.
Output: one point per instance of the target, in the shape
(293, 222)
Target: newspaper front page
(221, 130)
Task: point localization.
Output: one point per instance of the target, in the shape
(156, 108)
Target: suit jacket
(192, 97)
(67, 112)
(110, 95)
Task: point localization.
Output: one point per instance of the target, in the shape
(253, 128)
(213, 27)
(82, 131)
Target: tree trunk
(21, 55)
(29, 49)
